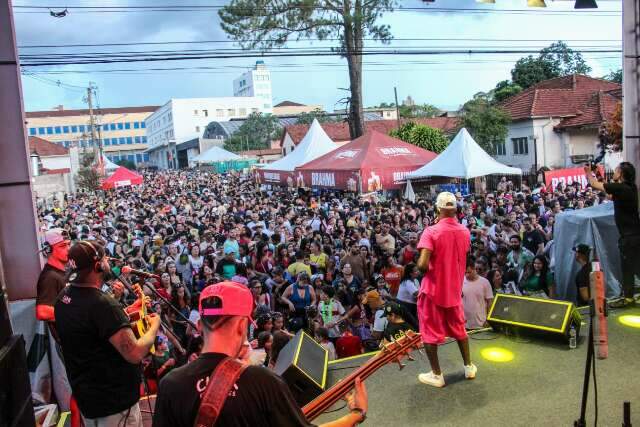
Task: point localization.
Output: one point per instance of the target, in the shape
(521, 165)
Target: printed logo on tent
(395, 151)
(324, 179)
(347, 154)
(400, 176)
(271, 176)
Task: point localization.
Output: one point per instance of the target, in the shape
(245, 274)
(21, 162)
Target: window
(243, 112)
(32, 131)
(127, 125)
(106, 142)
(122, 141)
(520, 146)
(131, 157)
(114, 141)
(143, 125)
(138, 158)
(137, 140)
(81, 128)
(144, 139)
(206, 113)
(219, 113)
(41, 131)
(74, 129)
(170, 117)
(136, 125)
(65, 129)
(112, 126)
(231, 112)
(120, 126)
(145, 156)
(129, 140)
(501, 149)
(49, 130)
(58, 129)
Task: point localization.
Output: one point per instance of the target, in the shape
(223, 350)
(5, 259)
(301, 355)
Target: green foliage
(307, 118)
(256, 133)
(422, 136)
(504, 90)
(88, 178)
(127, 164)
(484, 121)
(265, 24)
(418, 111)
(614, 76)
(557, 60)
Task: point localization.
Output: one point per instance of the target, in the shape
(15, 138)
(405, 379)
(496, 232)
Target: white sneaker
(432, 379)
(470, 371)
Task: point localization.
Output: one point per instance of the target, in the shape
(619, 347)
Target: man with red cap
(443, 252)
(255, 397)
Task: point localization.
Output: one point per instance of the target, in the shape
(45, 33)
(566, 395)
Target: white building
(181, 120)
(556, 122)
(256, 82)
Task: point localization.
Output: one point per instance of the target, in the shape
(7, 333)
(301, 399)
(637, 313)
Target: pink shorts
(437, 323)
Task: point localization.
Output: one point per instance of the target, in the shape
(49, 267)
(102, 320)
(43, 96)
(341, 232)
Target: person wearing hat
(102, 356)
(582, 253)
(399, 321)
(228, 266)
(52, 277)
(257, 397)
(443, 253)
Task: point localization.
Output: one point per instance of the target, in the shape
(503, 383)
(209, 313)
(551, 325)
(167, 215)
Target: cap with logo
(229, 299)
(55, 236)
(446, 200)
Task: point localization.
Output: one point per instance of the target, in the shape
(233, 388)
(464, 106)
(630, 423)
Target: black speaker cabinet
(537, 316)
(16, 409)
(5, 324)
(302, 363)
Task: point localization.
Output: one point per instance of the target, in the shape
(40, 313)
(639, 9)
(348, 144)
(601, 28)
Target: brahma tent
(315, 143)
(122, 177)
(372, 162)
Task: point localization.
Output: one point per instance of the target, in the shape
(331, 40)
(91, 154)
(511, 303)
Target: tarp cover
(122, 177)
(315, 143)
(463, 158)
(216, 154)
(592, 226)
(372, 162)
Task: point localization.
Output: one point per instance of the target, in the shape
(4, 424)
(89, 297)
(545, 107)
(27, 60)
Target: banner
(567, 176)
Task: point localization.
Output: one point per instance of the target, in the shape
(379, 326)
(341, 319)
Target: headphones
(97, 267)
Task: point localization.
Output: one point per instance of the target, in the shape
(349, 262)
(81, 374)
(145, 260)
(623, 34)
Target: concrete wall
(45, 186)
(56, 162)
(287, 144)
(520, 129)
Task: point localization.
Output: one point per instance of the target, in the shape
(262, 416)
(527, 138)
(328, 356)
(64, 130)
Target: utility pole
(395, 92)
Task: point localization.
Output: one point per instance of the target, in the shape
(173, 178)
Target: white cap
(446, 200)
(54, 236)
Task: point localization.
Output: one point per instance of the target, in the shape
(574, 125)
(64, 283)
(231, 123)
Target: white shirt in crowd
(407, 290)
(476, 296)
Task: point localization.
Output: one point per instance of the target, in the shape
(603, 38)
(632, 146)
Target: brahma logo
(271, 176)
(347, 154)
(395, 151)
(399, 176)
(324, 179)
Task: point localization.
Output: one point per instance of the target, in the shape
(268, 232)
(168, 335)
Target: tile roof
(598, 108)
(560, 97)
(262, 152)
(97, 111)
(289, 104)
(44, 148)
(339, 132)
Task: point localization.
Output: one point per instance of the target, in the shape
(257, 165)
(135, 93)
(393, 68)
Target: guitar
(140, 326)
(391, 352)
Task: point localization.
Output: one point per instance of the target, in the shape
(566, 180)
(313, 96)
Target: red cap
(235, 300)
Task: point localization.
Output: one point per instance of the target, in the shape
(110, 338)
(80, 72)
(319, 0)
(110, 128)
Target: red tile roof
(54, 171)
(44, 148)
(596, 110)
(339, 132)
(289, 104)
(560, 97)
(99, 111)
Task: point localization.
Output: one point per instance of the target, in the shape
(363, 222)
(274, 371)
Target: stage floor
(541, 386)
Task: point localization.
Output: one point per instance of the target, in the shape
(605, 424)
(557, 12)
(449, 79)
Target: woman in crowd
(538, 280)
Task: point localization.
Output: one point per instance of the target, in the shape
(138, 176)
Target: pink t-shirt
(474, 298)
(449, 242)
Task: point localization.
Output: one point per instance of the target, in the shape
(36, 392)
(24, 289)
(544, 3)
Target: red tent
(122, 177)
(374, 161)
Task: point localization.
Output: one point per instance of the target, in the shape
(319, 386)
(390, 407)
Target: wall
(56, 162)
(287, 144)
(519, 129)
(48, 185)
(294, 110)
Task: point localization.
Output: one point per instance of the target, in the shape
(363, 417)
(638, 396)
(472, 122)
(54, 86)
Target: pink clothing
(436, 322)
(449, 243)
(474, 298)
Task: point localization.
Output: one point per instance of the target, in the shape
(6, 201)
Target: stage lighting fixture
(536, 3)
(630, 320)
(497, 354)
(585, 4)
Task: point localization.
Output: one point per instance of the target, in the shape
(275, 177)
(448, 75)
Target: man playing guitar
(102, 355)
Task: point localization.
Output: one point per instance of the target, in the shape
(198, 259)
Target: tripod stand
(581, 422)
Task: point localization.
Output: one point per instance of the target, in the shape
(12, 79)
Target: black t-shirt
(625, 204)
(395, 331)
(582, 281)
(532, 239)
(259, 397)
(50, 283)
(102, 381)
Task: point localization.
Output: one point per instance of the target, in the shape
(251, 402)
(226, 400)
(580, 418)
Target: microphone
(128, 270)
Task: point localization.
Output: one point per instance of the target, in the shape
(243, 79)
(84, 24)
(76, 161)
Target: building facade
(182, 120)
(256, 83)
(120, 130)
(556, 123)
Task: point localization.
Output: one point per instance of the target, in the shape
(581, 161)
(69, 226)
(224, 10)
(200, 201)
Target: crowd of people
(340, 267)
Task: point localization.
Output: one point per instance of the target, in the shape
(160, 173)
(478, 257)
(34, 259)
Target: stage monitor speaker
(302, 363)
(538, 316)
(5, 323)
(16, 408)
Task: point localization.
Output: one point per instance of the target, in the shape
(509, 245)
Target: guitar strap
(220, 382)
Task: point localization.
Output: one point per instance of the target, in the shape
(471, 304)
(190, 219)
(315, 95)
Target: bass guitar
(390, 352)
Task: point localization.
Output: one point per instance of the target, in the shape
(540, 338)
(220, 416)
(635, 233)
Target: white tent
(216, 154)
(315, 143)
(108, 164)
(463, 158)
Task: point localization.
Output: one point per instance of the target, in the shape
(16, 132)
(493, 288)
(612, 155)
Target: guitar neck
(327, 399)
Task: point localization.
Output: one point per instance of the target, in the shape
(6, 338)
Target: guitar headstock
(402, 347)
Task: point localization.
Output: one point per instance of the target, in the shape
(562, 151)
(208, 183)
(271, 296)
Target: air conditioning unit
(581, 158)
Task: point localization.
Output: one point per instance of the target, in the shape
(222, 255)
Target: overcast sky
(446, 81)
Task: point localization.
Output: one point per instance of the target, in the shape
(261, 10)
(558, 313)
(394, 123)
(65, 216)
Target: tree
(256, 133)
(421, 136)
(611, 131)
(557, 60)
(88, 177)
(127, 164)
(419, 111)
(614, 76)
(505, 89)
(307, 118)
(486, 122)
(265, 24)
